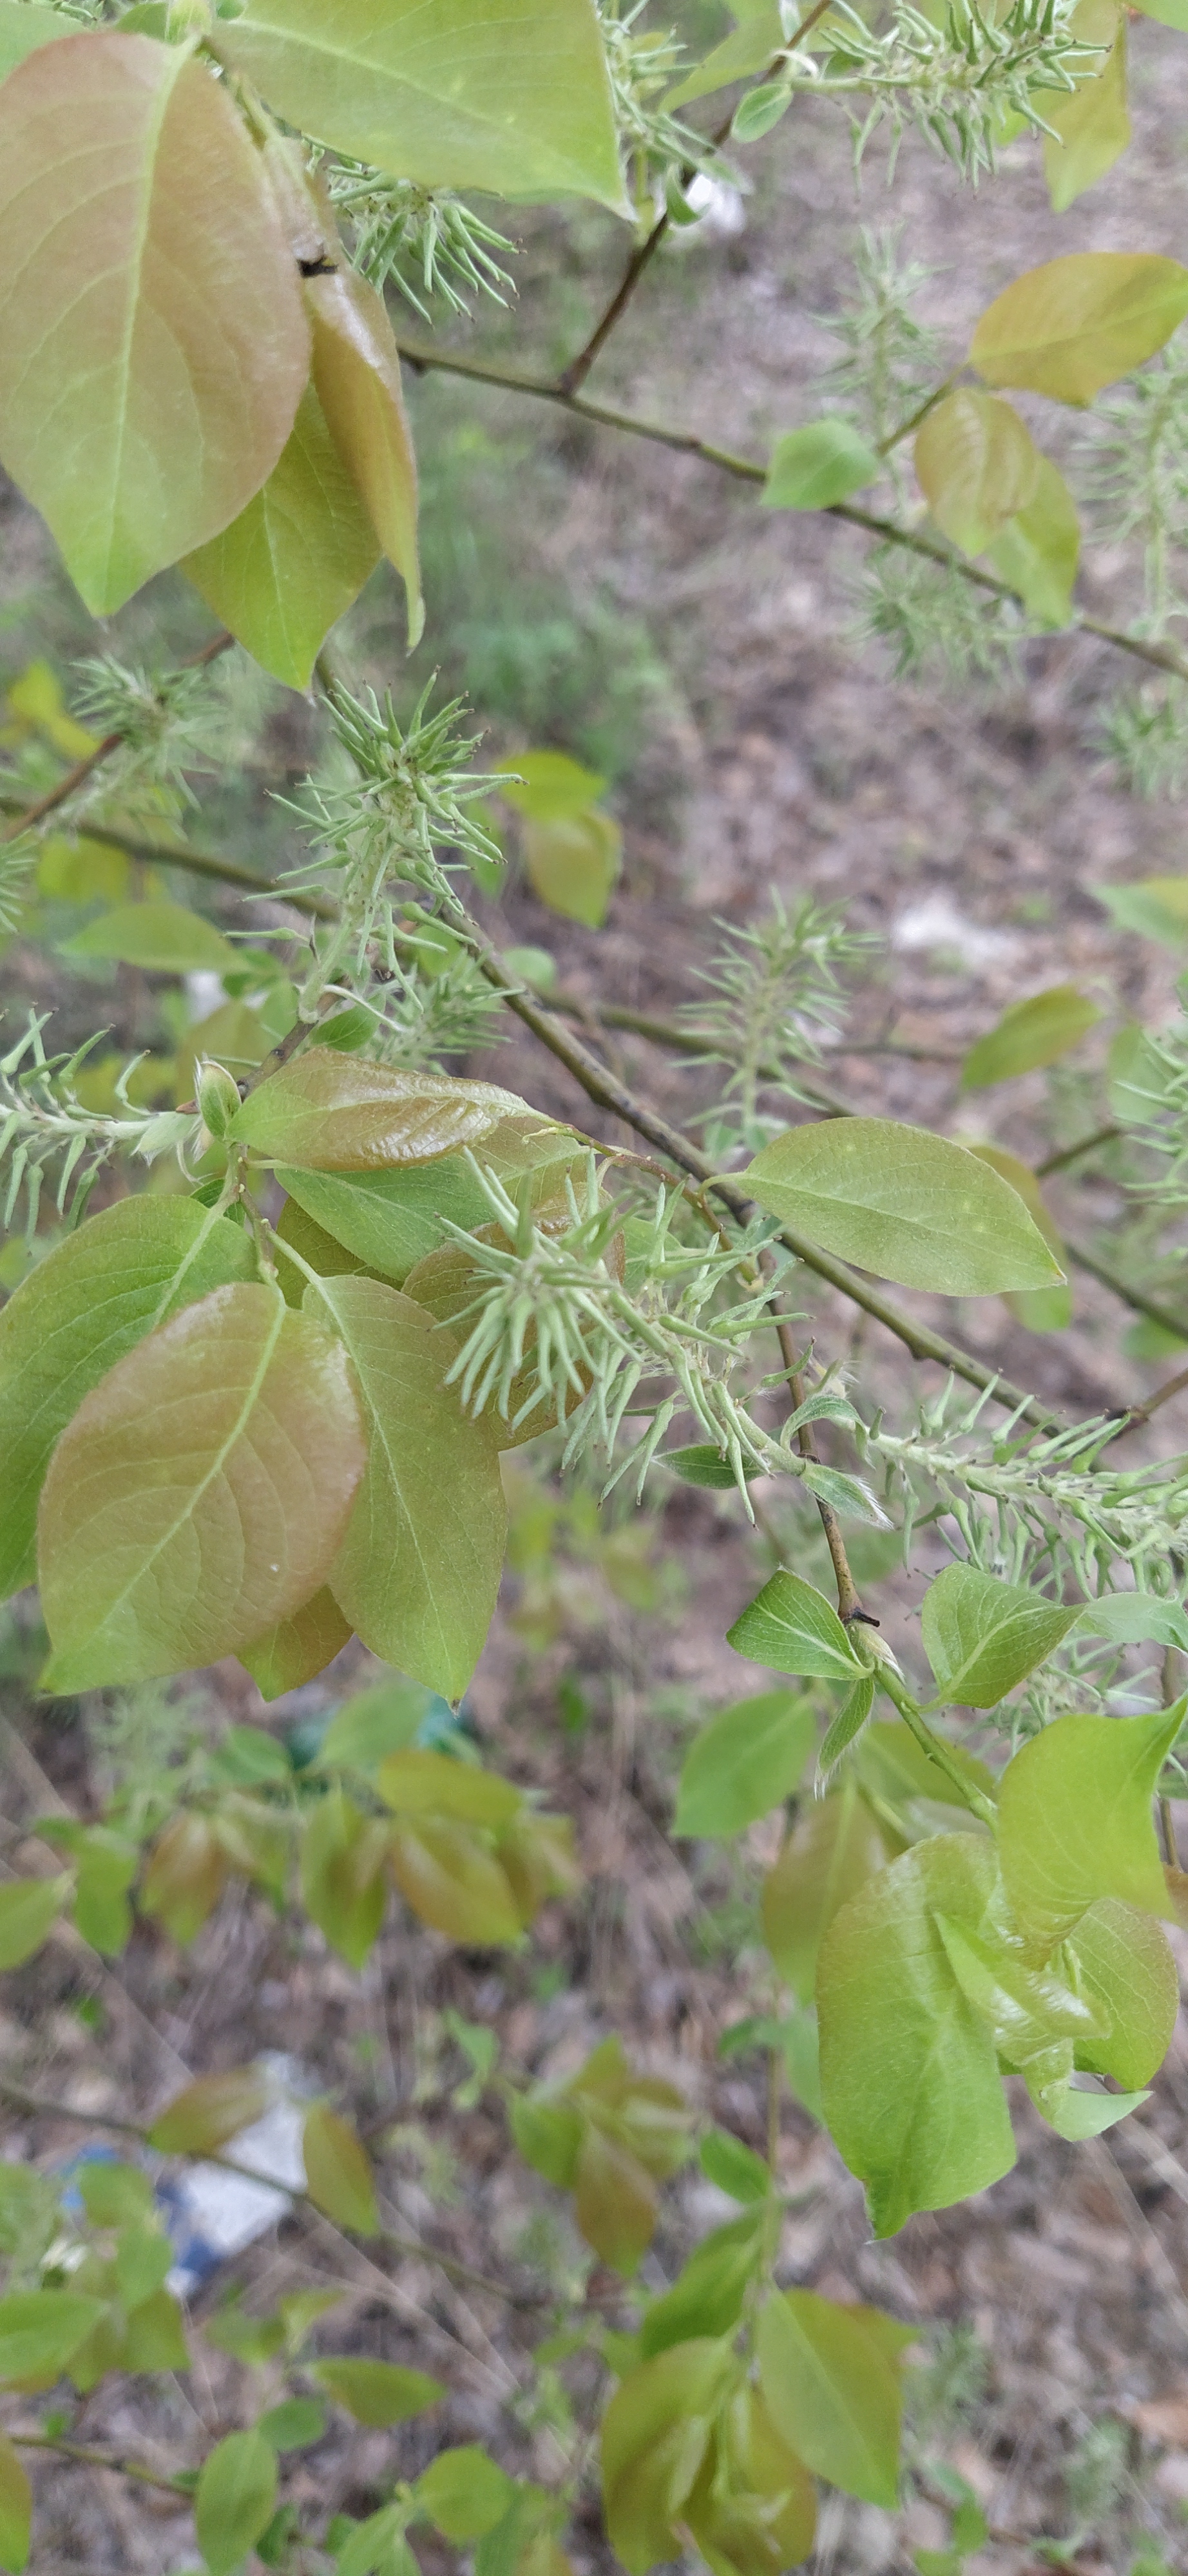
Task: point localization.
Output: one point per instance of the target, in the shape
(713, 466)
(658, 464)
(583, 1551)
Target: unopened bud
(218, 1098)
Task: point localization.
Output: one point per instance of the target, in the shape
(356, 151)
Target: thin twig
(102, 2460)
(77, 777)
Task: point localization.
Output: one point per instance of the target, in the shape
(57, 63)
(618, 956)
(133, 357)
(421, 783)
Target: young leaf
(574, 864)
(40, 2329)
(186, 1875)
(107, 1865)
(418, 1572)
(452, 1880)
(976, 464)
(615, 2201)
(416, 1781)
(338, 2175)
(163, 938)
(333, 1113)
(813, 467)
(909, 2071)
(847, 1726)
(655, 2434)
(29, 1909)
(549, 787)
(733, 2167)
(16, 2494)
(1131, 1618)
(378, 2392)
(292, 2425)
(749, 48)
(892, 1766)
(464, 2493)
(1043, 1310)
(709, 2294)
(907, 1205)
(1125, 1970)
(744, 1763)
(1075, 1820)
(1029, 1034)
(1038, 551)
(832, 2384)
(459, 99)
(833, 1848)
(297, 1648)
(372, 1724)
(93, 1298)
(1078, 323)
(235, 2499)
(792, 1627)
(548, 2135)
(981, 1637)
(155, 345)
(1091, 123)
(204, 2115)
(386, 1221)
(23, 27)
(200, 1492)
(356, 372)
(294, 560)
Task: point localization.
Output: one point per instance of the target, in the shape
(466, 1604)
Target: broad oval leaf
(342, 1874)
(23, 27)
(204, 2115)
(418, 1571)
(334, 1113)
(733, 2166)
(235, 2499)
(453, 1882)
(29, 1909)
(517, 103)
(1029, 1034)
(1078, 323)
(573, 864)
(294, 560)
(909, 2071)
(1126, 1971)
(377, 2392)
(356, 371)
(186, 1875)
(615, 2200)
(981, 1636)
(1043, 1310)
(744, 1763)
(655, 2434)
(155, 345)
(16, 2494)
(792, 1627)
(813, 467)
(832, 2382)
(93, 1298)
(40, 2329)
(164, 938)
(416, 1781)
(338, 2177)
(293, 2424)
(200, 1492)
(902, 1203)
(296, 1649)
(464, 2493)
(833, 1848)
(977, 465)
(1038, 551)
(550, 787)
(709, 2293)
(1075, 1820)
(1090, 125)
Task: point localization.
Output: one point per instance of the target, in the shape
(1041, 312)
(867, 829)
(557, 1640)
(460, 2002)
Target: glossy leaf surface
(902, 1203)
(155, 345)
(92, 1299)
(1075, 1819)
(333, 1113)
(792, 1627)
(200, 1492)
(356, 371)
(981, 1637)
(292, 562)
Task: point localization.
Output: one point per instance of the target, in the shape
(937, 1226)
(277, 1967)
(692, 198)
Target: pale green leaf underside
(508, 95)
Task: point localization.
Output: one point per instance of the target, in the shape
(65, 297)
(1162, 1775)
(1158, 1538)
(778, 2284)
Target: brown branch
(208, 863)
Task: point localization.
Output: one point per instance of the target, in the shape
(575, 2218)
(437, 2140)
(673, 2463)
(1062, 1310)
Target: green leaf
(1043, 1310)
(417, 1781)
(833, 1848)
(23, 27)
(907, 1205)
(1170, 13)
(909, 2071)
(574, 864)
(16, 2494)
(517, 105)
(709, 2293)
(391, 1220)
(372, 1724)
(1078, 323)
(29, 1909)
(1090, 124)
(1029, 1034)
(749, 48)
(419, 1568)
(813, 467)
(792, 1627)
(981, 1637)
(977, 466)
(235, 2499)
(356, 369)
(744, 1763)
(200, 1492)
(892, 1766)
(452, 1880)
(333, 1113)
(343, 1887)
(847, 1726)
(205, 2114)
(831, 2380)
(1122, 1964)
(294, 560)
(464, 2493)
(734, 2167)
(292, 2425)
(761, 108)
(164, 938)
(186, 1875)
(107, 1865)
(40, 2329)
(155, 345)
(376, 2547)
(549, 787)
(1133, 1618)
(1075, 1820)
(655, 2434)
(113, 2194)
(378, 2392)
(338, 2175)
(1157, 908)
(1038, 551)
(548, 2135)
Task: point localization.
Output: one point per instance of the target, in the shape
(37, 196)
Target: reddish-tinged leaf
(204, 2115)
(357, 375)
(328, 1112)
(297, 1648)
(338, 2175)
(185, 1878)
(377, 2392)
(200, 1493)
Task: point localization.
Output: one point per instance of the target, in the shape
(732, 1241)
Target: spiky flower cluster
(959, 82)
(773, 993)
(423, 241)
(45, 1128)
(643, 63)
